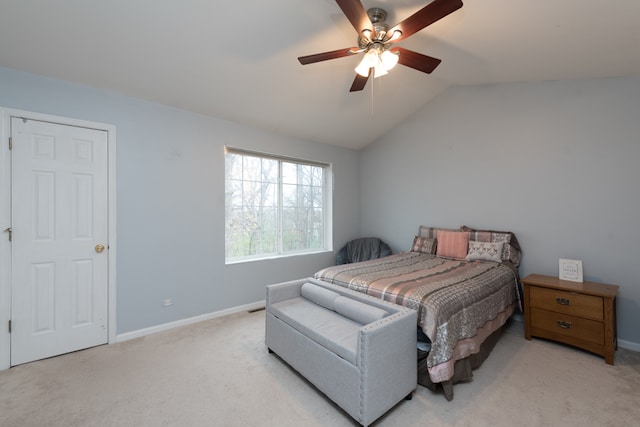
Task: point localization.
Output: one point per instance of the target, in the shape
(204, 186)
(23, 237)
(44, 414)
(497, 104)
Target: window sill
(276, 257)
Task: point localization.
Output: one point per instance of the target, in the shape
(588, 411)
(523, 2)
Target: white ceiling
(238, 59)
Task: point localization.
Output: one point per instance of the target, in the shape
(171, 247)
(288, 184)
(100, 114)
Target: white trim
(112, 246)
(241, 151)
(5, 220)
(171, 325)
(5, 246)
(629, 345)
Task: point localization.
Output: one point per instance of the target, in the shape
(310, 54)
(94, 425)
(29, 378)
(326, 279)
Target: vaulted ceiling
(238, 59)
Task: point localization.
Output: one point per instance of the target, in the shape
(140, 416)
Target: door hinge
(10, 231)
(10, 143)
(9, 326)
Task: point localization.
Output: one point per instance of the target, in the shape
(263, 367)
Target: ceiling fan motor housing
(377, 17)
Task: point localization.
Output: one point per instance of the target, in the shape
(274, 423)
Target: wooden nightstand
(578, 314)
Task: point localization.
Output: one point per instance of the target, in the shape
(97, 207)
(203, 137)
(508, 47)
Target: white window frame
(327, 207)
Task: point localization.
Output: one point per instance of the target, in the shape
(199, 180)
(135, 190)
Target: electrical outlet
(167, 302)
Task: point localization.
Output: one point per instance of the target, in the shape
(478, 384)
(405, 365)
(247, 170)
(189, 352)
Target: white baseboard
(183, 322)
(629, 345)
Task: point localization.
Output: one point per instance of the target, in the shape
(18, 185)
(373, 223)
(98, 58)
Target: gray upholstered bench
(358, 350)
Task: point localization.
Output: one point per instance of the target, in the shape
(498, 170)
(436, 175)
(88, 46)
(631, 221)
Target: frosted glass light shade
(363, 69)
(379, 70)
(369, 60)
(389, 59)
(380, 62)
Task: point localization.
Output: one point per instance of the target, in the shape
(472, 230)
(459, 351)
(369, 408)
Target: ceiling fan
(377, 40)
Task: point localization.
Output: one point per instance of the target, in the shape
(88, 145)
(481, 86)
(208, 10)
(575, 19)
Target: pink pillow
(453, 244)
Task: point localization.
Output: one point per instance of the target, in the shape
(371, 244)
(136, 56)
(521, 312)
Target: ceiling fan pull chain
(372, 103)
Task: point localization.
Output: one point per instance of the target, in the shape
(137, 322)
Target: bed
(465, 285)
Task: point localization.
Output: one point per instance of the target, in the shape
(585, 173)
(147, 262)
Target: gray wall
(170, 200)
(555, 162)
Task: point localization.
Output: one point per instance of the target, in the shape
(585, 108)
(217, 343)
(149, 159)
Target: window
(275, 206)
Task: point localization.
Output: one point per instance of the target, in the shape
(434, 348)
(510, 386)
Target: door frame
(5, 220)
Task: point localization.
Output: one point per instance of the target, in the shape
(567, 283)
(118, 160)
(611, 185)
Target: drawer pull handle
(563, 301)
(563, 324)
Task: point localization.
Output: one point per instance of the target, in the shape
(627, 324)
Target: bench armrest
(387, 358)
(284, 291)
(393, 334)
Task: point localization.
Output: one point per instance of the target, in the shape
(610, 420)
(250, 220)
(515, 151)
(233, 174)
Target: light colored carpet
(219, 373)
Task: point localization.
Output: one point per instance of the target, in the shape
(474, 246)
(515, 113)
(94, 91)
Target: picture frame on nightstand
(570, 269)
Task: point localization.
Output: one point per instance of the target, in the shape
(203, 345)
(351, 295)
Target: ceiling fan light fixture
(378, 58)
(389, 59)
(371, 59)
(396, 34)
(363, 69)
(379, 70)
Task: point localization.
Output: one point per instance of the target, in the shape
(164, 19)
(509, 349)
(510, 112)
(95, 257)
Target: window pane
(289, 195)
(289, 175)
(317, 176)
(268, 231)
(272, 206)
(233, 166)
(270, 171)
(251, 168)
(289, 232)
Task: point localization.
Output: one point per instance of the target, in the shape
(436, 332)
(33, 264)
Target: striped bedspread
(455, 299)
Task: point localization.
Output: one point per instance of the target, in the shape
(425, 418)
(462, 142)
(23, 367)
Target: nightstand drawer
(558, 324)
(588, 306)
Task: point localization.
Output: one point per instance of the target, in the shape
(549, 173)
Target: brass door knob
(99, 248)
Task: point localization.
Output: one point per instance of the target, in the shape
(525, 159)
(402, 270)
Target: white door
(59, 214)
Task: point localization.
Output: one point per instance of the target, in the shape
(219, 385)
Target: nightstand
(581, 314)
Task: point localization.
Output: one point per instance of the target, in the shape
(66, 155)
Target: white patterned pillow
(485, 251)
(510, 250)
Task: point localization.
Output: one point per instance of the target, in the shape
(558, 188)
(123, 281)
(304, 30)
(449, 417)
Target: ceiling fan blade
(426, 16)
(334, 54)
(416, 60)
(359, 82)
(356, 14)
